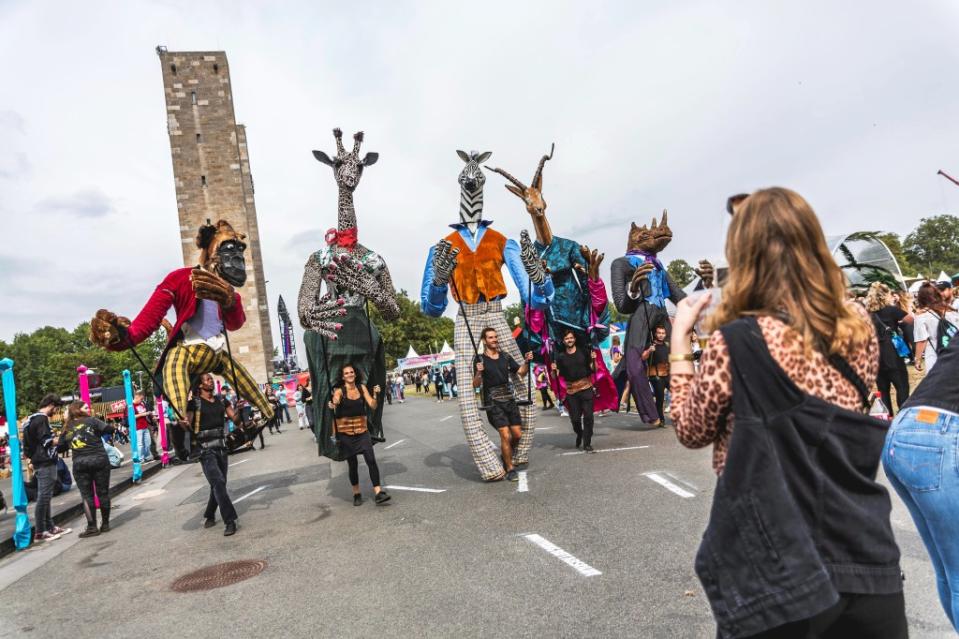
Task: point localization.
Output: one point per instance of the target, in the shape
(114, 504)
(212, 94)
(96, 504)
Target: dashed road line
(668, 485)
(523, 486)
(578, 565)
(396, 443)
(239, 462)
(447, 417)
(543, 427)
(603, 450)
(251, 493)
(417, 489)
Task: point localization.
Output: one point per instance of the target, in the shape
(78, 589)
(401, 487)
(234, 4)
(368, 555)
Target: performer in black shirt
(575, 365)
(493, 370)
(657, 365)
(208, 416)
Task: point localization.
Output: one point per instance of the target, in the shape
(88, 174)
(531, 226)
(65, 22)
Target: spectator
(284, 405)
(143, 427)
(300, 406)
(83, 434)
(785, 553)
(453, 386)
(542, 383)
(936, 316)
(419, 382)
(40, 447)
(438, 383)
(887, 320)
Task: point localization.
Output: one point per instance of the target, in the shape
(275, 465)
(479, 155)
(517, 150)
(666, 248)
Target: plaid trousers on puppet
(185, 362)
(485, 454)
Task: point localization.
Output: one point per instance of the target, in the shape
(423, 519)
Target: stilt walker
(207, 307)
(580, 302)
(22, 532)
(337, 323)
(468, 263)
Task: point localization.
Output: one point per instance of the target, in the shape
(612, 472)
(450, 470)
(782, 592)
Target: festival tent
(944, 278)
(446, 348)
(411, 353)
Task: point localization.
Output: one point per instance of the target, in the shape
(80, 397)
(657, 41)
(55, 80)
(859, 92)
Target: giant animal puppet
(580, 300)
(468, 264)
(207, 306)
(338, 326)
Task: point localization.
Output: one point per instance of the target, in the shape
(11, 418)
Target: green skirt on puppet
(358, 343)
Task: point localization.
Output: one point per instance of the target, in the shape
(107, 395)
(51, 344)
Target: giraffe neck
(345, 213)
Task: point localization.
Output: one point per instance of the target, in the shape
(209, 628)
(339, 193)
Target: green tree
(934, 245)
(894, 243)
(681, 272)
(414, 328)
(513, 312)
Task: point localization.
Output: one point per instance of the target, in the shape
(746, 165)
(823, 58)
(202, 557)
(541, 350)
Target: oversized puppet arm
(349, 274)
(116, 333)
(433, 296)
(542, 293)
(587, 263)
(387, 305)
(317, 313)
(620, 277)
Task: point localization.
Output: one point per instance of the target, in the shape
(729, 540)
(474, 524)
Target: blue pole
(21, 531)
(132, 425)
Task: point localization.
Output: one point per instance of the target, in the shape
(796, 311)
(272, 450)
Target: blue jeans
(143, 443)
(921, 459)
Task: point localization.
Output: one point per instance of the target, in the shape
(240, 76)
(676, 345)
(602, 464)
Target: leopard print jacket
(700, 402)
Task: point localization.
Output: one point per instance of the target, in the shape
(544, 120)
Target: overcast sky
(651, 105)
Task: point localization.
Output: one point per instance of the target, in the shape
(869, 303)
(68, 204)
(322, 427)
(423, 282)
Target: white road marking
(523, 483)
(251, 493)
(418, 490)
(239, 462)
(668, 485)
(396, 443)
(604, 450)
(148, 494)
(579, 565)
(447, 417)
(543, 427)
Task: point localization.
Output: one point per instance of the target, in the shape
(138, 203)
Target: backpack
(945, 331)
(29, 445)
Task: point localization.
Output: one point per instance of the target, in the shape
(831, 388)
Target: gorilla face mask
(231, 264)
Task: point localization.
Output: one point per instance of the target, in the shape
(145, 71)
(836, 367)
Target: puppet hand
(108, 329)
(210, 286)
(706, 273)
(348, 274)
(444, 261)
(531, 262)
(321, 317)
(639, 275)
(593, 259)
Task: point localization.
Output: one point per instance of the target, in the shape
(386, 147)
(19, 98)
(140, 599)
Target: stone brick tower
(211, 169)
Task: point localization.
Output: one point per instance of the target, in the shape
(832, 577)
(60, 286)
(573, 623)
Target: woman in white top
(927, 324)
(300, 407)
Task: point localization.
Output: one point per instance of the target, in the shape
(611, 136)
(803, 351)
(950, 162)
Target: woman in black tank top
(349, 405)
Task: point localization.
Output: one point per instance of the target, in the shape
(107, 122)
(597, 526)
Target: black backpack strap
(840, 364)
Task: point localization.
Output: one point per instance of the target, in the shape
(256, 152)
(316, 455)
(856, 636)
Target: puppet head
(221, 251)
(532, 197)
(651, 239)
(347, 167)
(471, 181)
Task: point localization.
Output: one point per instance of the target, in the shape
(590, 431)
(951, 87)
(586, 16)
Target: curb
(7, 547)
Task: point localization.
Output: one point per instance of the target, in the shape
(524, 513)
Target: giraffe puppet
(468, 263)
(580, 300)
(338, 329)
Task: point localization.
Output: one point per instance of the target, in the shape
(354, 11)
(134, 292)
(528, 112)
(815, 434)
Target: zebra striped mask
(471, 181)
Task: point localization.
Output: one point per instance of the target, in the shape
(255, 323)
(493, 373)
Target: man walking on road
(40, 447)
(493, 372)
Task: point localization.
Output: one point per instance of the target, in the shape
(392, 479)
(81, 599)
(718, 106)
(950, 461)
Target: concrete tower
(211, 169)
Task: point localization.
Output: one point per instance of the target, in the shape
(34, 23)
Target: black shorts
(503, 414)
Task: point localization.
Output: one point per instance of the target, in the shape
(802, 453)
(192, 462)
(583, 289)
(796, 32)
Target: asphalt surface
(597, 546)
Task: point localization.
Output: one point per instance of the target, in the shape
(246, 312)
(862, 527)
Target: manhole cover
(219, 575)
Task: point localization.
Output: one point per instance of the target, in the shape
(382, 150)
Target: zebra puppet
(477, 285)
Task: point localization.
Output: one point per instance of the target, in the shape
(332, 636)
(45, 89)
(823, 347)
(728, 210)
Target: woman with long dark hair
(351, 400)
(83, 435)
(935, 313)
(799, 541)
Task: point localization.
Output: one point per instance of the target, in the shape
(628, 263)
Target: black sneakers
(381, 497)
(230, 528)
(588, 448)
(512, 475)
(91, 531)
(209, 523)
(357, 499)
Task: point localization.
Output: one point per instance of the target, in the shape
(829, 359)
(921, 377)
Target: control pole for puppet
(21, 528)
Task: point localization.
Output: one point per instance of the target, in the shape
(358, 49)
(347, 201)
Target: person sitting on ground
(83, 434)
(493, 370)
(576, 366)
(350, 402)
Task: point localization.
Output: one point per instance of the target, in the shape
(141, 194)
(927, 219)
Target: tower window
(193, 97)
(216, 68)
(203, 181)
(199, 138)
(173, 69)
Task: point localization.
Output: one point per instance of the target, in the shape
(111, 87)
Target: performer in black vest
(577, 367)
(208, 415)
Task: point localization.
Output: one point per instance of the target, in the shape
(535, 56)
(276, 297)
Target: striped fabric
(485, 454)
(184, 363)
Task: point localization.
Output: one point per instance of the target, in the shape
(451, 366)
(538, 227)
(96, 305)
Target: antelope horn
(507, 176)
(338, 134)
(542, 162)
(357, 140)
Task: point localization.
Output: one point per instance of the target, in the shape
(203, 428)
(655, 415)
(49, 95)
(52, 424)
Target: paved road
(596, 546)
